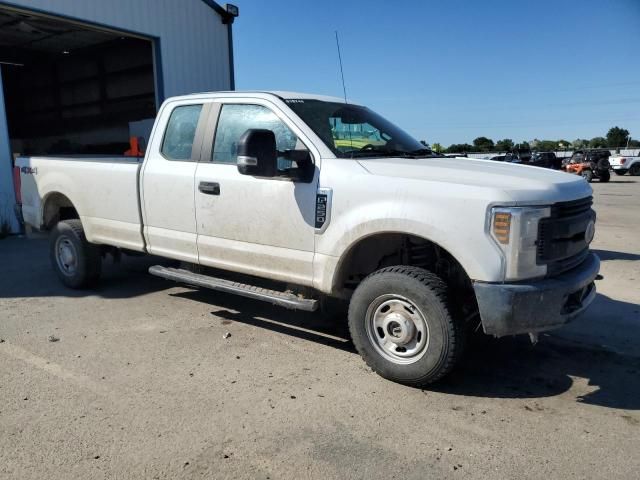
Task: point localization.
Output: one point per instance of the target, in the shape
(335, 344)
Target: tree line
(616, 138)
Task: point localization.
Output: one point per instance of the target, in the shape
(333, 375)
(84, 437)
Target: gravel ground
(135, 380)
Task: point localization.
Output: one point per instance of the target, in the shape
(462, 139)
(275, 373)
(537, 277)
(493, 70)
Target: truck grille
(561, 241)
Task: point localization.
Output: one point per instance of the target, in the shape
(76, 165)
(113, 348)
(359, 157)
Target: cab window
(180, 133)
(236, 119)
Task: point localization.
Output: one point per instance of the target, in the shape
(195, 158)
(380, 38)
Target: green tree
(523, 145)
(483, 144)
(598, 142)
(436, 147)
(547, 145)
(617, 137)
(460, 148)
(580, 143)
(504, 145)
(634, 143)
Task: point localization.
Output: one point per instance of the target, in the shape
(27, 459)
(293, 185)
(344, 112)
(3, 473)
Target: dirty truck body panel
(104, 191)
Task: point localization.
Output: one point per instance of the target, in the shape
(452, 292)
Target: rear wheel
(605, 176)
(402, 325)
(77, 262)
(587, 175)
(635, 169)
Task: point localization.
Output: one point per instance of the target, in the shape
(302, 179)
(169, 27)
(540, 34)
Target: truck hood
(523, 184)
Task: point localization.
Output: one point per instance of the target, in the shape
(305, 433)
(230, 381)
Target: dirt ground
(142, 384)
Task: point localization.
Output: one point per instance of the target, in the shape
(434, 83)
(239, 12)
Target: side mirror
(257, 154)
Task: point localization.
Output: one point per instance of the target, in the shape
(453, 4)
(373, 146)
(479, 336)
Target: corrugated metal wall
(193, 41)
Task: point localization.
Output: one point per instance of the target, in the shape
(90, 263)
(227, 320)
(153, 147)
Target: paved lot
(142, 384)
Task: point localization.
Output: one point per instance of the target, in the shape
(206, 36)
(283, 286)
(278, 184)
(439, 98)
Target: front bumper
(536, 306)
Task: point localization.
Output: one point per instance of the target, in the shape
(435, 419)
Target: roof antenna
(344, 88)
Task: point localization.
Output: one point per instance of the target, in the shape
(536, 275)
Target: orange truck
(590, 164)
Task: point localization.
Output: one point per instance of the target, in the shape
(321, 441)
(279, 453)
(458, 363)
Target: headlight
(515, 231)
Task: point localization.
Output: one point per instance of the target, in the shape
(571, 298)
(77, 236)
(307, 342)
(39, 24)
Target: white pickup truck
(294, 198)
(622, 164)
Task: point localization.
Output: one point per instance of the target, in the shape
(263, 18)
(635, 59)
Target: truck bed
(105, 190)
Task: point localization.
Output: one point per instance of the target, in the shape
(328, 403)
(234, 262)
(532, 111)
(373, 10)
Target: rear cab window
(180, 133)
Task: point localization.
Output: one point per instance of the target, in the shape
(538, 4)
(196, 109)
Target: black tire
(635, 170)
(587, 175)
(427, 293)
(621, 172)
(605, 176)
(77, 262)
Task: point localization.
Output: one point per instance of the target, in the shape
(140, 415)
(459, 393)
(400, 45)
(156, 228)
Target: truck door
(167, 188)
(258, 226)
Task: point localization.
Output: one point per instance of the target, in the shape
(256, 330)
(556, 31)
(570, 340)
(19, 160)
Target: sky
(452, 70)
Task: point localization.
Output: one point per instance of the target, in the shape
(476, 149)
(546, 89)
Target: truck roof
(284, 95)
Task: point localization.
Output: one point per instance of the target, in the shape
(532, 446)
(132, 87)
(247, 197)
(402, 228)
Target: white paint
(258, 225)
(616, 161)
(104, 191)
(167, 193)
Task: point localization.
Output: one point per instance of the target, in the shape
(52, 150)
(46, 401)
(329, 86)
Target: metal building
(82, 76)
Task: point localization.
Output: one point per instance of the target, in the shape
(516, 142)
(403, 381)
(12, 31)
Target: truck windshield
(352, 131)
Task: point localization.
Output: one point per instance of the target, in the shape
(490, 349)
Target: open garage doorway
(71, 88)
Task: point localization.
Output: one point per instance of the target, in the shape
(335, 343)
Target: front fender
(464, 239)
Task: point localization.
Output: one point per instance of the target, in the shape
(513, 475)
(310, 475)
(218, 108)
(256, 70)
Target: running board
(283, 299)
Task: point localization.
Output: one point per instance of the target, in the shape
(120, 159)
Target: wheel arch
(380, 249)
(56, 206)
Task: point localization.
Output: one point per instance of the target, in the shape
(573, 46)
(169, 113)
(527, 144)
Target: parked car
(264, 188)
(546, 160)
(622, 164)
(498, 158)
(518, 155)
(590, 164)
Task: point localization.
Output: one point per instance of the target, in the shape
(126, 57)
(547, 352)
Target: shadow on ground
(612, 255)
(25, 272)
(315, 327)
(493, 368)
(505, 368)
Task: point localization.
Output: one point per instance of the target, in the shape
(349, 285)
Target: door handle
(209, 188)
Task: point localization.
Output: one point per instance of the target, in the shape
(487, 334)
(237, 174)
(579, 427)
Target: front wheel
(635, 170)
(605, 176)
(402, 326)
(77, 262)
(587, 175)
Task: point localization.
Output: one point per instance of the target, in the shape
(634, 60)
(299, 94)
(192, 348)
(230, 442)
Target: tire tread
(455, 327)
(91, 253)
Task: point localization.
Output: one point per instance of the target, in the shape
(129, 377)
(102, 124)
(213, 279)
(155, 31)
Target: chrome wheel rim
(397, 329)
(66, 256)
